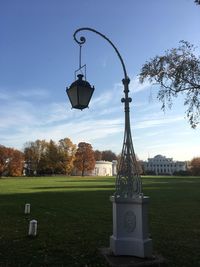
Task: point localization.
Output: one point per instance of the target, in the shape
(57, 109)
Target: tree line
(43, 157)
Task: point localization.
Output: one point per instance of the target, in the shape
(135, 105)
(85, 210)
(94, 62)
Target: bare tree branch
(177, 72)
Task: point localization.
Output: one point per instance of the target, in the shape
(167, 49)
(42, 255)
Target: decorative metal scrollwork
(128, 181)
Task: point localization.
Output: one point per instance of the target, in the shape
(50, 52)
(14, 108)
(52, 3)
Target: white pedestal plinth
(130, 227)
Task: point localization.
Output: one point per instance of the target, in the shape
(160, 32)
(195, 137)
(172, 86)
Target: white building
(114, 167)
(161, 165)
(105, 168)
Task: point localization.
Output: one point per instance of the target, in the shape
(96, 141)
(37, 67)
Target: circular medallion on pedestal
(129, 221)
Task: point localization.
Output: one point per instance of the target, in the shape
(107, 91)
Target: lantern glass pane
(85, 96)
(72, 93)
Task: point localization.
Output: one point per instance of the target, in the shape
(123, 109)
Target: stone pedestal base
(131, 261)
(130, 227)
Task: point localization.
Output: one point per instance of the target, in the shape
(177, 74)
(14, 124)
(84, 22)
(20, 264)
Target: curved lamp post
(130, 227)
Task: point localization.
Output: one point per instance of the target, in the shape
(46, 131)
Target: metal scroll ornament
(128, 182)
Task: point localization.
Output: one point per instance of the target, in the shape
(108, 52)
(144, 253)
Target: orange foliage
(11, 162)
(84, 158)
(195, 166)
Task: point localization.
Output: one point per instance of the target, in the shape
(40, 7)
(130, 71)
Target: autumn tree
(16, 163)
(108, 155)
(177, 72)
(52, 158)
(67, 152)
(84, 158)
(4, 158)
(138, 165)
(98, 155)
(195, 166)
(35, 156)
(11, 161)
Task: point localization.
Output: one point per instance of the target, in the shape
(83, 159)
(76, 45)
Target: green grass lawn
(75, 219)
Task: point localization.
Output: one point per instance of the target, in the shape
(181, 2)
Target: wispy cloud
(157, 122)
(4, 96)
(24, 118)
(15, 113)
(136, 86)
(36, 92)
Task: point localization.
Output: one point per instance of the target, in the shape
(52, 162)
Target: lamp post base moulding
(130, 227)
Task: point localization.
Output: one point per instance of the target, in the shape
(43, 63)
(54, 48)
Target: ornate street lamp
(80, 93)
(130, 219)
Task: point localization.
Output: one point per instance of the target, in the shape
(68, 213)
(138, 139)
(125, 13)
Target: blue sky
(38, 58)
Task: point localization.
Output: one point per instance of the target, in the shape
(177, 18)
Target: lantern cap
(80, 82)
(80, 76)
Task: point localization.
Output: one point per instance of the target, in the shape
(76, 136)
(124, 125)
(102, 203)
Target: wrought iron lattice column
(128, 182)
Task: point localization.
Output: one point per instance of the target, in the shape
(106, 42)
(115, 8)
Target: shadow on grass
(85, 180)
(72, 225)
(75, 187)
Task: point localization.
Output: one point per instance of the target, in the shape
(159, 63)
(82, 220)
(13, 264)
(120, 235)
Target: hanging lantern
(80, 93)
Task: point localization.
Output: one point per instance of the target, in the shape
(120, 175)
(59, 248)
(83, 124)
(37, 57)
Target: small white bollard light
(27, 209)
(32, 228)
